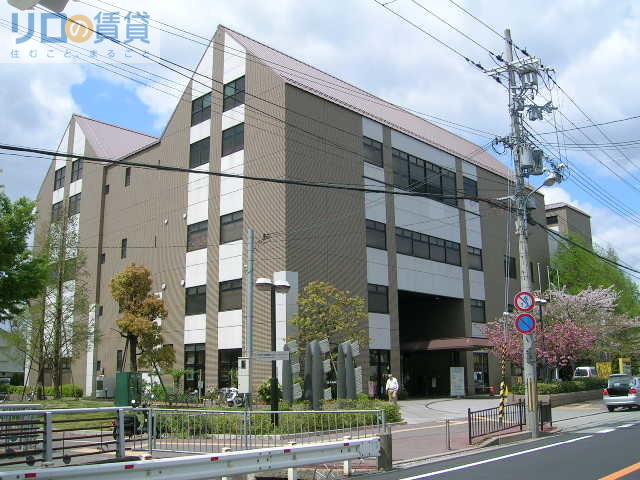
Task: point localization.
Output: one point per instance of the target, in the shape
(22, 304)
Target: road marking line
(621, 473)
(495, 459)
(426, 428)
(606, 430)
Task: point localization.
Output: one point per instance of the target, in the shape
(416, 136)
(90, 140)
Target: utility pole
(250, 282)
(522, 76)
(529, 340)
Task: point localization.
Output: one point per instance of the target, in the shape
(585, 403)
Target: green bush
(564, 387)
(68, 390)
(264, 391)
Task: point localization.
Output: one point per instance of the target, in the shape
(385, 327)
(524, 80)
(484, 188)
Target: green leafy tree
(324, 311)
(56, 326)
(141, 319)
(580, 269)
(22, 273)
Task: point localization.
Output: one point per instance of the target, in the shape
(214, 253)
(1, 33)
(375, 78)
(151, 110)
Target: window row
(58, 178)
(201, 109)
(233, 94)
(428, 247)
(229, 297)
(230, 231)
(58, 208)
(76, 170)
(478, 311)
(416, 174)
(372, 151)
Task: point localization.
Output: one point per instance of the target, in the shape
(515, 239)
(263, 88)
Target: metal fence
(199, 431)
(43, 437)
(488, 421)
(29, 437)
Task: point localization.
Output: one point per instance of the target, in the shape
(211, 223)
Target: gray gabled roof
(110, 141)
(322, 84)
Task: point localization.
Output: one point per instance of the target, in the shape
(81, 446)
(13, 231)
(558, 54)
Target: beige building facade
(433, 269)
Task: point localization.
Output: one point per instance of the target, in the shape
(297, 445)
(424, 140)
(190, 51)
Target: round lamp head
(264, 284)
(281, 286)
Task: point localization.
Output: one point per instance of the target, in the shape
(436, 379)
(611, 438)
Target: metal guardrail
(488, 421)
(221, 465)
(195, 431)
(47, 437)
(43, 436)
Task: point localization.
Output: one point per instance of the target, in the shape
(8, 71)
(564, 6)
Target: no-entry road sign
(524, 301)
(525, 323)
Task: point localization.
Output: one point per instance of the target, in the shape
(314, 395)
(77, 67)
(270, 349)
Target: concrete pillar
(385, 459)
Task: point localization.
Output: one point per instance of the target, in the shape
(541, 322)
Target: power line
(610, 122)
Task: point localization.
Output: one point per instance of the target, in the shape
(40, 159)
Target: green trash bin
(128, 388)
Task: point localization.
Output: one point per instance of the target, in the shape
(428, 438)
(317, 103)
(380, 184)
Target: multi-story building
(432, 269)
(567, 220)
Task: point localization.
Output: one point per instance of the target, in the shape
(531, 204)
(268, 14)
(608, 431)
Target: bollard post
(346, 467)
(385, 460)
(151, 431)
(292, 473)
(120, 450)
(447, 427)
(48, 438)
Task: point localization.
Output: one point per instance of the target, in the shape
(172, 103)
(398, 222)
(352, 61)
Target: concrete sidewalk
(429, 410)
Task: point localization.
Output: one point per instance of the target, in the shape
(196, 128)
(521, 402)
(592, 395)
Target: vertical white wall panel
(234, 59)
(230, 261)
(196, 268)
(372, 129)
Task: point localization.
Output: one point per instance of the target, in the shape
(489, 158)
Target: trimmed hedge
(564, 387)
(68, 390)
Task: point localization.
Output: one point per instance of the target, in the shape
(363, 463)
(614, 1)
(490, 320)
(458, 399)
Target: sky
(590, 44)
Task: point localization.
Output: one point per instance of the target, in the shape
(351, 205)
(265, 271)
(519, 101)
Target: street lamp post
(273, 286)
(545, 367)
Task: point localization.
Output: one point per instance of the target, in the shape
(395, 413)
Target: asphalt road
(592, 452)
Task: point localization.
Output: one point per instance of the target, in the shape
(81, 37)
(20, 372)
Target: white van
(583, 372)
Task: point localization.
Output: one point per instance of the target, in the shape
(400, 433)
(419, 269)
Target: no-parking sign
(525, 323)
(524, 301)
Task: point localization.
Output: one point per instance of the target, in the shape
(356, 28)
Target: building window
(552, 220)
(449, 190)
(475, 258)
(510, 266)
(231, 227)
(227, 364)
(470, 187)
(197, 236)
(372, 151)
(119, 361)
(230, 295)
(453, 253)
(233, 139)
(58, 178)
(199, 152)
(74, 204)
(477, 311)
(56, 211)
(378, 298)
(376, 234)
(194, 360)
(195, 300)
(123, 248)
(103, 258)
(233, 94)
(106, 189)
(416, 174)
(437, 249)
(76, 170)
(127, 176)
(201, 109)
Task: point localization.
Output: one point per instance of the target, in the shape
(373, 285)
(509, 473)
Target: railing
(198, 431)
(488, 421)
(221, 465)
(44, 436)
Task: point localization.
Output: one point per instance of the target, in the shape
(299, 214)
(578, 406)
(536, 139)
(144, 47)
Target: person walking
(392, 389)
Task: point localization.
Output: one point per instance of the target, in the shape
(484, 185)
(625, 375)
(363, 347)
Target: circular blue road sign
(525, 323)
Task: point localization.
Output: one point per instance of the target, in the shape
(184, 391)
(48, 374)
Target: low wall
(557, 399)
